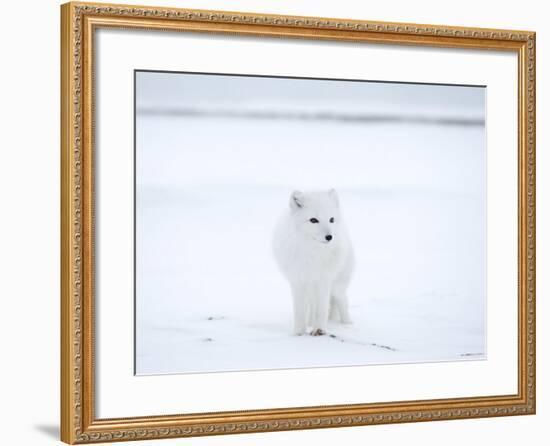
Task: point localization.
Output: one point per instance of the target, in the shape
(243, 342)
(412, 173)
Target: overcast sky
(176, 90)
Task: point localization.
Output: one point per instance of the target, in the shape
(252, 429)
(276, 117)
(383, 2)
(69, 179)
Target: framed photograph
(274, 223)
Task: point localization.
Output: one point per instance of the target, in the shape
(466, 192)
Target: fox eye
(313, 220)
(331, 219)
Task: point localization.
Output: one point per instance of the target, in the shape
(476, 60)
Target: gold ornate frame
(78, 23)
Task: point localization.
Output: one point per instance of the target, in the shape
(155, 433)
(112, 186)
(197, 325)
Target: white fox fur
(313, 250)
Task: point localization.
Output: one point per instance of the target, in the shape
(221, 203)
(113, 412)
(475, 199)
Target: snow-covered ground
(209, 190)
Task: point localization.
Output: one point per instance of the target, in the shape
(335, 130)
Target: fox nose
(328, 238)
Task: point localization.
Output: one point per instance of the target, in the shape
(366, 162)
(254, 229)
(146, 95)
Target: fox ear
(296, 200)
(334, 195)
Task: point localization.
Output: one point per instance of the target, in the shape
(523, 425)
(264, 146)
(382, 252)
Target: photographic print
(300, 222)
(255, 205)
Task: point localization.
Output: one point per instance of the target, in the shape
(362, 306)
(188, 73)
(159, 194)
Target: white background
(120, 52)
(29, 240)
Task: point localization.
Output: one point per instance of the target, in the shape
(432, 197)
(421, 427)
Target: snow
(209, 296)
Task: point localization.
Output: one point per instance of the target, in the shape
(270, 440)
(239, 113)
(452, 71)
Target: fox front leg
(321, 310)
(300, 310)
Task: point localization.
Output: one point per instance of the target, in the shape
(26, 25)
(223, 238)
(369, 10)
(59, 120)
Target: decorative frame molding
(78, 22)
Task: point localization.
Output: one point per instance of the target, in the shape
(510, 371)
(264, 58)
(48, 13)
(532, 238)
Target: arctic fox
(313, 250)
